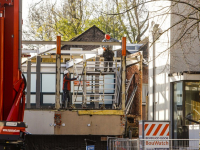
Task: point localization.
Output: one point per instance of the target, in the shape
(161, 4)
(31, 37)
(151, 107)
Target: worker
(66, 89)
(108, 53)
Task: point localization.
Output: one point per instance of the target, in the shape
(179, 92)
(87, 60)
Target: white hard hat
(66, 71)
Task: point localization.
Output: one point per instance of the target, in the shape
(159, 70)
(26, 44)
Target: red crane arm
(11, 81)
(12, 84)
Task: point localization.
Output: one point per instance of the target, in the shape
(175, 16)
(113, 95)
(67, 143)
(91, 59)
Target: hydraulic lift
(12, 82)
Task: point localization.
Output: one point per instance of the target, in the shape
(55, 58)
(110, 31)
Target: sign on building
(154, 135)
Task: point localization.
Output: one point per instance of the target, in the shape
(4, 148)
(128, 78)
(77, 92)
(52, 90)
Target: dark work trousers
(108, 64)
(66, 98)
(108, 58)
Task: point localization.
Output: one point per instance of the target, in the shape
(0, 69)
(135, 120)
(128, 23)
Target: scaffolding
(94, 83)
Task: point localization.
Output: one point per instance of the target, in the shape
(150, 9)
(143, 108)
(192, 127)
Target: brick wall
(134, 69)
(134, 110)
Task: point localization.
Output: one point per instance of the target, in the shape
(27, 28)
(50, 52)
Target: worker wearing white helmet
(66, 89)
(108, 53)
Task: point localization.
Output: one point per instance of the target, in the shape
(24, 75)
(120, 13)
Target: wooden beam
(101, 112)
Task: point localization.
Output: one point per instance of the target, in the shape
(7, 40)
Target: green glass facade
(186, 107)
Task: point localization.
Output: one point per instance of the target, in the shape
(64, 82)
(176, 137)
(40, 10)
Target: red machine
(12, 82)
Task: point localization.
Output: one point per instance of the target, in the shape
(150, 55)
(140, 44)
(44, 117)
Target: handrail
(102, 96)
(118, 91)
(78, 85)
(129, 83)
(131, 99)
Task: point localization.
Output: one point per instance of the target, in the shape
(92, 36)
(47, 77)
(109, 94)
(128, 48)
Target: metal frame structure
(59, 51)
(76, 63)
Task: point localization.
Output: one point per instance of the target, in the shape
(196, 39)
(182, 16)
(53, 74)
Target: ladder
(130, 101)
(128, 84)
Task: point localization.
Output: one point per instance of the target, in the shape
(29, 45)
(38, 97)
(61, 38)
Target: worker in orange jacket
(66, 99)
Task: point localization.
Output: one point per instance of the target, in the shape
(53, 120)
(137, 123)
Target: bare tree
(46, 20)
(72, 17)
(181, 33)
(136, 18)
(132, 17)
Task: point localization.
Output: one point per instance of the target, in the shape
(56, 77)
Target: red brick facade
(134, 69)
(134, 110)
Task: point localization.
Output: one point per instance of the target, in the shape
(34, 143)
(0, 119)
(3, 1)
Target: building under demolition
(104, 104)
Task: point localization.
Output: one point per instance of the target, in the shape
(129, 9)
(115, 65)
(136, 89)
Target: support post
(141, 81)
(20, 34)
(1, 62)
(38, 80)
(138, 144)
(84, 98)
(147, 106)
(73, 98)
(114, 104)
(28, 100)
(123, 72)
(97, 68)
(58, 58)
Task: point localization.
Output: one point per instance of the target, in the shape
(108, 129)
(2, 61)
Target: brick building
(134, 69)
(93, 34)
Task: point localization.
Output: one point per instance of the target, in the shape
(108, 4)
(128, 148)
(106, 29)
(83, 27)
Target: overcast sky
(25, 7)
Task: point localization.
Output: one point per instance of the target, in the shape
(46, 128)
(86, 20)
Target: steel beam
(28, 99)
(20, 35)
(1, 63)
(84, 98)
(38, 80)
(29, 51)
(97, 64)
(58, 57)
(123, 73)
(141, 81)
(70, 43)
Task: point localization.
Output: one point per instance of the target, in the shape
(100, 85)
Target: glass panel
(107, 100)
(106, 86)
(33, 82)
(78, 99)
(61, 82)
(33, 99)
(48, 83)
(49, 99)
(192, 102)
(178, 109)
(144, 92)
